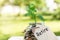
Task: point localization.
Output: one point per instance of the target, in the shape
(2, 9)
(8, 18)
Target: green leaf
(41, 17)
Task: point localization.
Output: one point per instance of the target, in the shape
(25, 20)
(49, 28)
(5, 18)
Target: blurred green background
(15, 16)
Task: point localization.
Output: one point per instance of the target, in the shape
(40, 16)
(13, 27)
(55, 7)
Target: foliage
(17, 2)
(57, 1)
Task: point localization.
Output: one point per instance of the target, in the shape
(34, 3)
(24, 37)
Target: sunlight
(51, 5)
(1, 1)
(11, 1)
(12, 10)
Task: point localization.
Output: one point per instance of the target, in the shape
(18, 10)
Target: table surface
(22, 38)
(58, 37)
